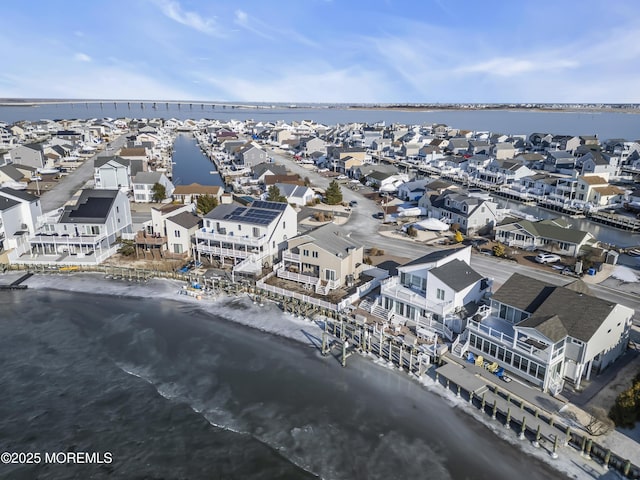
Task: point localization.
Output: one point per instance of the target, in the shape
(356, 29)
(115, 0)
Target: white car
(341, 177)
(547, 258)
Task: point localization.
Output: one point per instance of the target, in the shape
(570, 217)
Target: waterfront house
(503, 150)
(309, 145)
(560, 161)
(29, 154)
(136, 153)
(599, 163)
(144, 182)
(19, 212)
(545, 334)
(87, 232)
(474, 214)
(181, 228)
(112, 173)
(260, 171)
(249, 236)
(553, 235)
(586, 184)
(435, 292)
(250, 155)
(190, 193)
(324, 259)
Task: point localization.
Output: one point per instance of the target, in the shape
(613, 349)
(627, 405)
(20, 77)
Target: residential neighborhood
(285, 224)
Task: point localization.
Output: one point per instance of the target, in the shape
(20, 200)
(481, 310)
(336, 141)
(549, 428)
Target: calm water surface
(173, 392)
(604, 124)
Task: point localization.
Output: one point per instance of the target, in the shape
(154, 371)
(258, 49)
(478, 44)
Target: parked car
(353, 203)
(547, 258)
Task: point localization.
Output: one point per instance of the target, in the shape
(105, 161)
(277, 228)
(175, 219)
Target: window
(284, 225)
(176, 233)
(305, 253)
(239, 227)
(177, 248)
(117, 209)
(329, 274)
(440, 294)
(256, 232)
(314, 254)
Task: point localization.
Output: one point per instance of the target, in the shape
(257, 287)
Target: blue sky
(323, 50)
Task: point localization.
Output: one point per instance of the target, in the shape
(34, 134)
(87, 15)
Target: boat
(213, 172)
(45, 171)
(634, 252)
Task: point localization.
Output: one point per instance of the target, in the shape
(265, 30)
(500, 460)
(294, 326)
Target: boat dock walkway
(532, 415)
(13, 281)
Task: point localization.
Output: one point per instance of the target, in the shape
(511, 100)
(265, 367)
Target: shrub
(412, 231)
(499, 250)
(626, 410)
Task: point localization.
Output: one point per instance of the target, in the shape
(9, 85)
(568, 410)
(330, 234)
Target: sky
(324, 51)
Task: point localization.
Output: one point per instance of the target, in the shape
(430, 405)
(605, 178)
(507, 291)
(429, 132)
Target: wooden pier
(614, 220)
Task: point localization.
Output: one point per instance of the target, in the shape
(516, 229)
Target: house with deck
(547, 334)
(87, 232)
(553, 235)
(19, 212)
(249, 237)
(435, 292)
(322, 259)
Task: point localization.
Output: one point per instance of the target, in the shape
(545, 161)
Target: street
(364, 229)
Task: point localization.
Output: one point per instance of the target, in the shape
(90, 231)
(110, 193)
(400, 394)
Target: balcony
(222, 252)
(503, 333)
(291, 257)
(298, 277)
(55, 239)
(212, 236)
(392, 288)
(143, 238)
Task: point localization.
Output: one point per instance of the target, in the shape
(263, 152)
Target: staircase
(251, 264)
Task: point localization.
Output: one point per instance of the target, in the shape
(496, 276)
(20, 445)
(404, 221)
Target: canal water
(191, 165)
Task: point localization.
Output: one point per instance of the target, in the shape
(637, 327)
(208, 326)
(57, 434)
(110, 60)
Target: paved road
(364, 229)
(64, 190)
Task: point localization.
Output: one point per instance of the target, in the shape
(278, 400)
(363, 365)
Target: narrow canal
(191, 165)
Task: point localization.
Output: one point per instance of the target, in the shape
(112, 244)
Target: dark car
(353, 203)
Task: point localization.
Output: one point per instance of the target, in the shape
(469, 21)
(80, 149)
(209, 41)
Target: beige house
(323, 259)
(190, 193)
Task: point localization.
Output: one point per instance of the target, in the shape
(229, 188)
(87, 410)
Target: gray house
(29, 154)
(250, 155)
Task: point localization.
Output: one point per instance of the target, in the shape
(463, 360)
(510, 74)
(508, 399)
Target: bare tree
(599, 422)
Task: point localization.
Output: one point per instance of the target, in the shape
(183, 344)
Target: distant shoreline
(588, 108)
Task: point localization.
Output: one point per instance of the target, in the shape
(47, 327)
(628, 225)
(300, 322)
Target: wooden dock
(614, 220)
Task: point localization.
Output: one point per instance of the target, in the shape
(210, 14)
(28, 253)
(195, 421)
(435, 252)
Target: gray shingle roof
(433, 256)
(456, 274)
(522, 292)
(577, 315)
(185, 219)
(21, 194)
(332, 238)
(147, 178)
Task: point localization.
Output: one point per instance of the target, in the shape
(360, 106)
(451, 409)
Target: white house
(180, 230)
(250, 236)
(545, 334)
(85, 233)
(143, 184)
(112, 173)
(19, 211)
(434, 291)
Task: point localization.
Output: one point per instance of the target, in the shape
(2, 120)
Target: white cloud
(252, 25)
(82, 57)
(92, 83)
(322, 84)
(174, 11)
(509, 66)
(241, 17)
